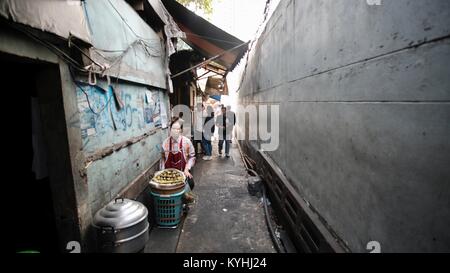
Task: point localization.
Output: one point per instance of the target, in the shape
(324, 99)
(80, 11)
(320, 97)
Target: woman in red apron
(179, 153)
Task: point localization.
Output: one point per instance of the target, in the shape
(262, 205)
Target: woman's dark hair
(175, 120)
(180, 114)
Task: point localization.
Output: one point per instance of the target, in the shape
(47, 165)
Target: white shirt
(199, 121)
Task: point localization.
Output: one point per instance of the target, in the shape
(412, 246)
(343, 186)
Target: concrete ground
(224, 219)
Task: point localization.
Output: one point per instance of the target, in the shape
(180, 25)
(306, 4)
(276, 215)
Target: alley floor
(225, 217)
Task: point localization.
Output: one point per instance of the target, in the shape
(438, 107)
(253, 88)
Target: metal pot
(122, 226)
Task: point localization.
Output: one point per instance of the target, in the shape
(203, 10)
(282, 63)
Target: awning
(63, 18)
(205, 37)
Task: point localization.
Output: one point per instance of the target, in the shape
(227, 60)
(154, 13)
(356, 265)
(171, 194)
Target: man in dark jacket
(232, 117)
(225, 125)
(208, 133)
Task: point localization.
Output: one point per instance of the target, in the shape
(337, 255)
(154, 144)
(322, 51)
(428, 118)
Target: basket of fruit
(168, 181)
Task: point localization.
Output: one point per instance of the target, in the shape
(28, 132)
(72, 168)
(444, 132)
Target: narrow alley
(227, 126)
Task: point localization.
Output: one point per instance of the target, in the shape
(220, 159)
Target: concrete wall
(365, 98)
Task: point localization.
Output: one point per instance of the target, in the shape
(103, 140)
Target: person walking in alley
(198, 127)
(208, 132)
(232, 117)
(178, 153)
(225, 126)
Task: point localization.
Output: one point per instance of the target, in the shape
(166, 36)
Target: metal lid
(120, 213)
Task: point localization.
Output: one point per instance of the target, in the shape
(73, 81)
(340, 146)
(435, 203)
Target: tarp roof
(63, 18)
(205, 37)
(122, 40)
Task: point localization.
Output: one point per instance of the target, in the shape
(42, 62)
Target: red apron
(176, 160)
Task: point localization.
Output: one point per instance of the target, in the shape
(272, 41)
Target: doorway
(26, 86)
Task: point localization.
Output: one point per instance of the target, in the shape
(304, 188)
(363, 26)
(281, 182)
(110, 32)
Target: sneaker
(208, 158)
(205, 157)
(186, 208)
(227, 155)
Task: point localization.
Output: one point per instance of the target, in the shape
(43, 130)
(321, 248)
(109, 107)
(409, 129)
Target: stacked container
(168, 200)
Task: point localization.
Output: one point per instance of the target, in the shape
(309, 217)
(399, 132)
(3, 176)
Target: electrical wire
(65, 57)
(119, 58)
(126, 23)
(78, 84)
(89, 104)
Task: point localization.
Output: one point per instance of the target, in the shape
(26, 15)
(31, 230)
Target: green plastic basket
(168, 208)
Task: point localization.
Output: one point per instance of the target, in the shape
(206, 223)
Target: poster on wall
(163, 111)
(87, 119)
(152, 109)
(148, 115)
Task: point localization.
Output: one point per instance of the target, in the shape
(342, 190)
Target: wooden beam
(117, 147)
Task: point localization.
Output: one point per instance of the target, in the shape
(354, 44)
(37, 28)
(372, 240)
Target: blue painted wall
(103, 124)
